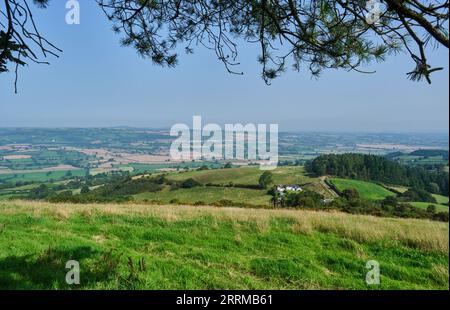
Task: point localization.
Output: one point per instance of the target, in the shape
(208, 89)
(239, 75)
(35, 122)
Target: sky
(98, 83)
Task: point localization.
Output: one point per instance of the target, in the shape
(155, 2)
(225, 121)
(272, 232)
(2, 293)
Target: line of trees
(379, 169)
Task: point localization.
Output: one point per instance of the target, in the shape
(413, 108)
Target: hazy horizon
(98, 83)
(167, 128)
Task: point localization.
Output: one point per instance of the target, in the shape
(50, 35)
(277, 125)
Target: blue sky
(96, 82)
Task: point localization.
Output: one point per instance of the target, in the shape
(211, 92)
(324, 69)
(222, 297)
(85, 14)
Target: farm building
(288, 188)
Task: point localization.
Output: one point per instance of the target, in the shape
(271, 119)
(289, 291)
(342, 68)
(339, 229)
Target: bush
(441, 216)
(224, 203)
(350, 193)
(304, 199)
(431, 209)
(85, 189)
(416, 194)
(265, 179)
(190, 183)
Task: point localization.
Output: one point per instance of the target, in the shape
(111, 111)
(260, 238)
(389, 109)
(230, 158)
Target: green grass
(440, 207)
(245, 175)
(19, 188)
(43, 158)
(366, 190)
(400, 189)
(40, 176)
(214, 248)
(424, 205)
(208, 195)
(441, 199)
(152, 168)
(7, 196)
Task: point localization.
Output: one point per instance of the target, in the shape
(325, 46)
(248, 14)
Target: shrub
(441, 216)
(350, 193)
(431, 209)
(190, 183)
(416, 194)
(265, 179)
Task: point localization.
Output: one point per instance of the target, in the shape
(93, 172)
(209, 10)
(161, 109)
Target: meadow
(245, 176)
(367, 190)
(138, 168)
(44, 176)
(425, 205)
(133, 246)
(441, 199)
(208, 195)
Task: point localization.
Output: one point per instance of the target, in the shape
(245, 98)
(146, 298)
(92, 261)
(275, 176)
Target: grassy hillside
(245, 176)
(208, 195)
(441, 199)
(182, 247)
(237, 176)
(440, 205)
(424, 205)
(366, 190)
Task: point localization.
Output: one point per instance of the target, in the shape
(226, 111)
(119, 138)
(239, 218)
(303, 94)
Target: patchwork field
(40, 176)
(182, 247)
(366, 190)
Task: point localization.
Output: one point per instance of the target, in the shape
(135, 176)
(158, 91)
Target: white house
(288, 188)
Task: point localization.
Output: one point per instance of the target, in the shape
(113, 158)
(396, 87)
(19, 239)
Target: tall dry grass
(423, 234)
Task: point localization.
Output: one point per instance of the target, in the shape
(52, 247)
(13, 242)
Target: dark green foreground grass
(206, 252)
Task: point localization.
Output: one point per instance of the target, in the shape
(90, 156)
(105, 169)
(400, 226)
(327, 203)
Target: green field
(366, 190)
(208, 195)
(179, 247)
(40, 176)
(43, 158)
(440, 199)
(139, 168)
(245, 176)
(424, 205)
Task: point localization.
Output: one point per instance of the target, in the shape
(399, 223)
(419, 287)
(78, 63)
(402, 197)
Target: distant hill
(421, 153)
(428, 153)
(394, 155)
(429, 159)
